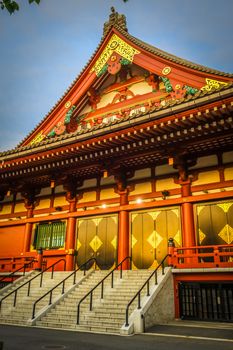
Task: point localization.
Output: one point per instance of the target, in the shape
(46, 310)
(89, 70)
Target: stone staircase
(22, 312)
(108, 314)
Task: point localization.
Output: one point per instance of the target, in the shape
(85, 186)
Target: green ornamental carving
(190, 90)
(69, 115)
(103, 70)
(124, 61)
(51, 133)
(167, 84)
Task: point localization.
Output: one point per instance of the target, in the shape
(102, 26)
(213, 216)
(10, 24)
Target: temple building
(135, 159)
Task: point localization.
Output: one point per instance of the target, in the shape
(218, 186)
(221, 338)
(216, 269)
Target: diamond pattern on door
(227, 234)
(114, 242)
(95, 243)
(154, 239)
(201, 235)
(78, 245)
(133, 241)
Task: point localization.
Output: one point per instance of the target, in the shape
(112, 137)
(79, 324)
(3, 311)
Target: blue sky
(43, 48)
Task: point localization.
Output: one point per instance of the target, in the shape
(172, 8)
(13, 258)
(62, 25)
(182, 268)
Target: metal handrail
(147, 283)
(102, 286)
(63, 286)
(11, 275)
(15, 291)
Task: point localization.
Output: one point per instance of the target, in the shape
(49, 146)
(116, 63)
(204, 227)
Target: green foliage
(12, 6)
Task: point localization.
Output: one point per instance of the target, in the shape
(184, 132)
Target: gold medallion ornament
(117, 45)
(166, 70)
(213, 84)
(67, 104)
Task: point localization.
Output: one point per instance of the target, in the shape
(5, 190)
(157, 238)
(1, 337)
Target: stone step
(95, 328)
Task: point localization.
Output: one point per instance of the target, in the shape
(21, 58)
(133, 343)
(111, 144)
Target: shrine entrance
(97, 238)
(150, 232)
(206, 301)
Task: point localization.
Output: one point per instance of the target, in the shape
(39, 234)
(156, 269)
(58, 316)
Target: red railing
(9, 264)
(201, 256)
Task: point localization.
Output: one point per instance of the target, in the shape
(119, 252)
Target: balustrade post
(171, 246)
(216, 256)
(39, 259)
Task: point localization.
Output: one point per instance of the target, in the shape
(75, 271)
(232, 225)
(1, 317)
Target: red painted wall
(11, 241)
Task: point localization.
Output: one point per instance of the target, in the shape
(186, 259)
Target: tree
(12, 6)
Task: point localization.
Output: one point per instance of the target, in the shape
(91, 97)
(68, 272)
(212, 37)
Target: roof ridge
(171, 57)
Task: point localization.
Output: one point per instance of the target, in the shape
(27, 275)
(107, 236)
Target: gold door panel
(150, 232)
(97, 237)
(215, 223)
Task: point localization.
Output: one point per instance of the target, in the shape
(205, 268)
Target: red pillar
(123, 236)
(70, 243)
(28, 231)
(188, 225)
(27, 237)
(70, 238)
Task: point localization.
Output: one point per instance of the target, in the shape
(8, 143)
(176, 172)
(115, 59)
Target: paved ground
(195, 329)
(25, 338)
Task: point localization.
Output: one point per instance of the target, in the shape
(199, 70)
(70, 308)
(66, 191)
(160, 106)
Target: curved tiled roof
(158, 52)
(169, 103)
(146, 47)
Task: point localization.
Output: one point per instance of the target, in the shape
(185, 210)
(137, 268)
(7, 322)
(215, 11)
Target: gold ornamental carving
(117, 45)
(225, 206)
(39, 137)
(213, 84)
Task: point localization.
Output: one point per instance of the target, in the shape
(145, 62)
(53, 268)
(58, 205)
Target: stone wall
(162, 308)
